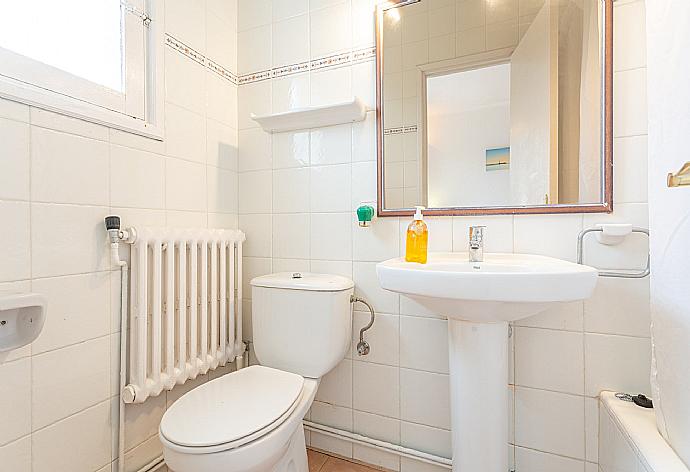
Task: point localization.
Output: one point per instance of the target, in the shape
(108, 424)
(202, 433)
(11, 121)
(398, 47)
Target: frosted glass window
(81, 37)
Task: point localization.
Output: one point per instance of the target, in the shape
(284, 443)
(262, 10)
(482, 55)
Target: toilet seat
(232, 410)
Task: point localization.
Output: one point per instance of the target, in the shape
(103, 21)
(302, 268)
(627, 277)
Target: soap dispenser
(417, 239)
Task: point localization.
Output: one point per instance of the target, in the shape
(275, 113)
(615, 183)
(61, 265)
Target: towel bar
(618, 274)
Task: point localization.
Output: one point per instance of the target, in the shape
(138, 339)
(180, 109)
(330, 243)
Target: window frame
(138, 110)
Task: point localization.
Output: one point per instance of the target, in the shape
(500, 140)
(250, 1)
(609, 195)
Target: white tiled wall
(295, 198)
(297, 195)
(59, 177)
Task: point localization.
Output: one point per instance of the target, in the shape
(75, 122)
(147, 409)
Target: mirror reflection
(492, 103)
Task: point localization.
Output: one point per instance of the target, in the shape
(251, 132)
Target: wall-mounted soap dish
(613, 234)
(21, 319)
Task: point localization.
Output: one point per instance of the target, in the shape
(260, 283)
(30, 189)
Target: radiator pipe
(112, 225)
(117, 235)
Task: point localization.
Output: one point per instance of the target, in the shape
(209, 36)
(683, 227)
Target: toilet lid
(231, 407)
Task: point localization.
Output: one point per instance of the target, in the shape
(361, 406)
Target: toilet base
(290, 458)
(295, 458)
(281, 450)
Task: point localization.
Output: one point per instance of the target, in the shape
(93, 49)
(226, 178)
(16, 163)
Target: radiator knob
(112, 222)
(128, 394)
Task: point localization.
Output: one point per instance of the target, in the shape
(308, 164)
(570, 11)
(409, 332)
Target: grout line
(72, 415)
(584, 378)
(550, 453)
(634, 135)
(560, 392)
(630, 69)
(31, 287)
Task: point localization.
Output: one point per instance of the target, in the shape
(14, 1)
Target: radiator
(186, 307)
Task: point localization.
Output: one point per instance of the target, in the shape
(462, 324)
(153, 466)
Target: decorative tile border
(199, 58)
(329, 62)
(400, 130)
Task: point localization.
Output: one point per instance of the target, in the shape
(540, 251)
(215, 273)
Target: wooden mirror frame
(607, 113)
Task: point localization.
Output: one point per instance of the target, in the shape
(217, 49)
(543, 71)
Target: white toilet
(251, 420)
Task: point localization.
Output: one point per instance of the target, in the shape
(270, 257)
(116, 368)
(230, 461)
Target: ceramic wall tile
(88, 431)
(185, 134)
(331, 236)
(550, 360)
(330, 188)
(17, 455)
(290, 41)
(417, 388)
(68, 169)
(425, 438)
(630, 49)
(186, 21)
(137, 178)
(384, 380)
(53, 395)
(254, 50)
(72, 322)
(255, 192)
(619, 363)
(16, 162)
(331, 30)
(291, 190)
(538, 461)
(417, 334)
(550, 422)
(17, 419)
(15, 246)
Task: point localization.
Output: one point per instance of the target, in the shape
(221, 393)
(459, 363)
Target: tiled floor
(319, 462)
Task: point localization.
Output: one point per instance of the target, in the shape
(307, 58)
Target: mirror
(494, 106)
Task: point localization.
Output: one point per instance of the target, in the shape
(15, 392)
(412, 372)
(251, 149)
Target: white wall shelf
(314, 117)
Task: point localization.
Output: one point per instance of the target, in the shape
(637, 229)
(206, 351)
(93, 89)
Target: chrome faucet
(476, 249)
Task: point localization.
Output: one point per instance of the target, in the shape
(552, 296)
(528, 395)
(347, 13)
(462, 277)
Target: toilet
(251, 420)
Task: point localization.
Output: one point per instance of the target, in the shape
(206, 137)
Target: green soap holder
(365, 213)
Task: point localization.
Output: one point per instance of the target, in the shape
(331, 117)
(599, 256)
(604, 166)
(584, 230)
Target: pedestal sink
(480, 299)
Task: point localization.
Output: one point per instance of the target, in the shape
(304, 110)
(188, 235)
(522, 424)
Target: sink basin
(480, 299)
(505, 287)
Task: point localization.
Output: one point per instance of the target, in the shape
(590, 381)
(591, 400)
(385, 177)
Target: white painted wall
(468, 113)
(457, 170)
(59, 177)
(668, 23)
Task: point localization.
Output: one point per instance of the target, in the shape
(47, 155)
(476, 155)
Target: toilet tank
(301, 322)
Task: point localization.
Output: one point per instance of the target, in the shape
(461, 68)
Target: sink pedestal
(479, 391)
(480, 299)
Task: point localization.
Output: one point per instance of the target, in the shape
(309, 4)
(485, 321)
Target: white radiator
(186, 307)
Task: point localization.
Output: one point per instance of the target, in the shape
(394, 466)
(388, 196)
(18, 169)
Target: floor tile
(316, 460)
(334, 464)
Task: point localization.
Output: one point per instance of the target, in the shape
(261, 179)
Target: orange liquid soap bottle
(417, 239)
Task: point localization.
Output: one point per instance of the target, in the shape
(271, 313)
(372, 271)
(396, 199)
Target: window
(93, 60)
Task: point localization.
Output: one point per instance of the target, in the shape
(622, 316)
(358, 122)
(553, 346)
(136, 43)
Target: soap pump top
(418, 214)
